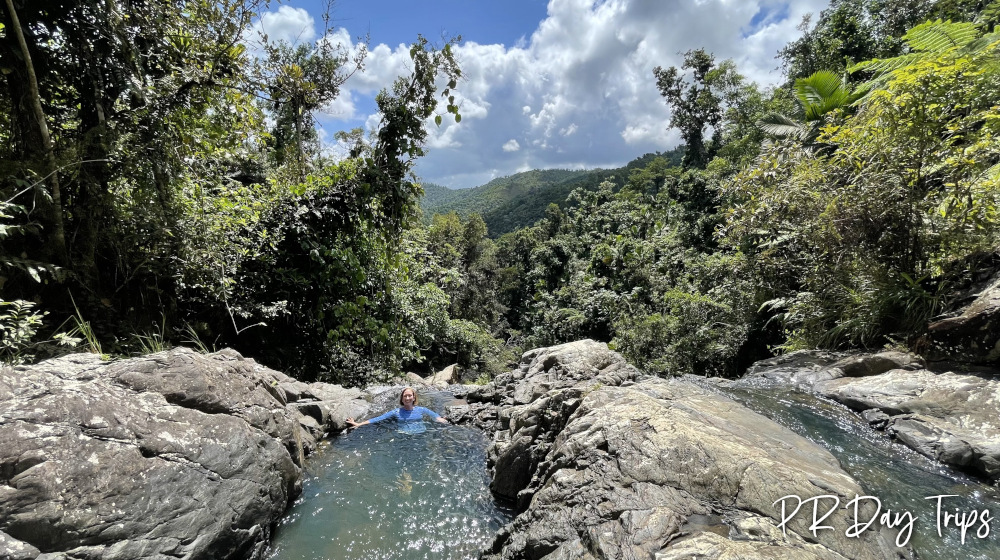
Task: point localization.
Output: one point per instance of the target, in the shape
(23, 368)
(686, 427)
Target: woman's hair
(416, 400)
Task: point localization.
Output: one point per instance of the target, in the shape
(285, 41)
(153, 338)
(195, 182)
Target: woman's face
(408, 398)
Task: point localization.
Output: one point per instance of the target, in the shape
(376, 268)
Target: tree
(849, 31)
(328, 287)
(51, 200)
(856, 246)
(696, 104)
(297, 81)
(932, 41)
(132, 89)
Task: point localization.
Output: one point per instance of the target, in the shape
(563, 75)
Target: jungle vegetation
(146, 201)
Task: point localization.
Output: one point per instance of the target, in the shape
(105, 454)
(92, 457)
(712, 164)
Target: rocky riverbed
(946, 412)
(184, 455)
(602, 463)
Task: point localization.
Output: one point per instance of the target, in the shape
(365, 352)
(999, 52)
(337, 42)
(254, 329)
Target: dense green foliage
(145, 200)
(848, 227)
(190, 219)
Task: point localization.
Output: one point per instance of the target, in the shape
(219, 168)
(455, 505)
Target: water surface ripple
(378, 493)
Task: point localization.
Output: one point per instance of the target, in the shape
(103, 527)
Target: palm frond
(822, 92)
(781, 125)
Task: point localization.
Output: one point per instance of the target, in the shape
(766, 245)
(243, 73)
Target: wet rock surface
(604, 463)
(946, 415)
(175, 454)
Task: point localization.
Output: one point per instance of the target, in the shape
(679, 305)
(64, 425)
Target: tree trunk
(53, 211)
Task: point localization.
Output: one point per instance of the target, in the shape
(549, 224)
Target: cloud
(289, 24)
(579, 90)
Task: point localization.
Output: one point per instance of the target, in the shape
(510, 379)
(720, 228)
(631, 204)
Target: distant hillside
(519, 200)
(437, 195)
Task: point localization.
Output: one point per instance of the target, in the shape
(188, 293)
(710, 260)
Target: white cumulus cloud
(579, 90)
(289, 24)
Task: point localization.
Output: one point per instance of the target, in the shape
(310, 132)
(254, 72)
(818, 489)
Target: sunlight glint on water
(898, 476)
(378, 493)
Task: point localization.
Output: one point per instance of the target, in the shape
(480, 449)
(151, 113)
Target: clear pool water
(377, 493)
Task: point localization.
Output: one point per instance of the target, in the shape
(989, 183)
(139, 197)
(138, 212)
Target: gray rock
(413, 379)
(805, 368)
(875, 418)
(866, 365)
(947, 416)
(171, 455)
(972, 337)
(603, 464)
(220, 383)
(533, 402)
(445, 377)
(13, 549)
(667, 469)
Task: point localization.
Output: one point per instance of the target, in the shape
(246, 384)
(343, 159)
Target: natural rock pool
(376, 493)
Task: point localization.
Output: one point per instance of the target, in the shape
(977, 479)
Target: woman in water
(407, 412)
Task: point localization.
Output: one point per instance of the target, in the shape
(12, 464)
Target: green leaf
(437, 120)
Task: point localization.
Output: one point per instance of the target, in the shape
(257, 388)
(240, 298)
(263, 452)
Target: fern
(930, 41)
(938, 37)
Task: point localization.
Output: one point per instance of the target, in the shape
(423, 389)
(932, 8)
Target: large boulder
(529, 405)
(176, 454)
(602, 463)
(805, 368)
(945, 415)
(973, 336)
(448, 376)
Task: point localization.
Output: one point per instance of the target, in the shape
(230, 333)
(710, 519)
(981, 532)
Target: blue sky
(396, 21)
(557, 84)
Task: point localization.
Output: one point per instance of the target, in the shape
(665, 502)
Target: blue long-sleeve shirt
(403, 415)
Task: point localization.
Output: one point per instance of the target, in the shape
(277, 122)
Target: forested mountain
(519, 200)
(437, 196)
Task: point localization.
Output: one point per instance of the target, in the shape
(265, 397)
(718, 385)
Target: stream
(898, 476)
(378, 493)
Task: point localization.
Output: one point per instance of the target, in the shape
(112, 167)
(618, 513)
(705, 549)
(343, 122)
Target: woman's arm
(352, 424)
(375, 420)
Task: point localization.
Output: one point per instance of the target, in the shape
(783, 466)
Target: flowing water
(377, 492)
(901, 478)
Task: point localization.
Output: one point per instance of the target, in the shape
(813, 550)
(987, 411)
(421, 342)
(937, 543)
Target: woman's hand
(352, 424)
